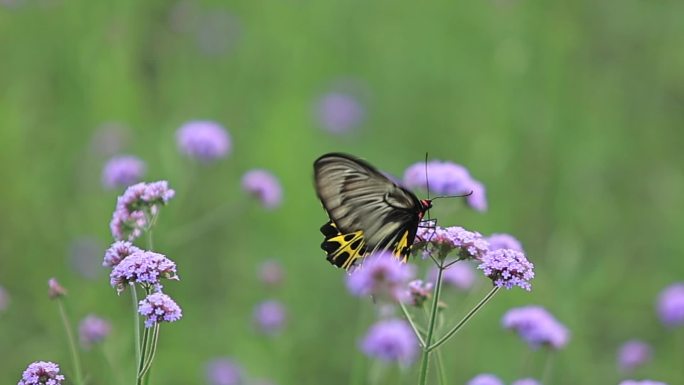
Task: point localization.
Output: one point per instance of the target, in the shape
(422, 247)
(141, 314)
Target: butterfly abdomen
(342, 249)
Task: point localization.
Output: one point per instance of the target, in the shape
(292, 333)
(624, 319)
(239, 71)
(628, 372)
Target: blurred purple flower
(381, 275)
(508, 268)
(419, 292)
(4, 299)
(485, 379)
(391, 340)
(55, 290)
(526, 381)
(536, 326)
(84, 255)
(269, 316)
(223, 371)
(671, 305)
(217, 32)
(41, 373)
(504, 241)
(142, 267)
(271, 273)
(117, 252)
(633, 354)
(122, 171)
(92, 330)
(642, 382)
(109, 138)
(135, 208)
(460, 275)
(339, 112)
(446, 178)
(203, 140)
(264, 186)
(159, 307)
(443, 240)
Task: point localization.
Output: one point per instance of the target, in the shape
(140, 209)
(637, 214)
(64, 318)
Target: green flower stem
(548, 365)
(413, 325)
(465, 319)
(136, 324)
(151, 351)
(422, 379)
(72, 343)
(110, 362)
(358, 363)
(143, 356)
(440, 368)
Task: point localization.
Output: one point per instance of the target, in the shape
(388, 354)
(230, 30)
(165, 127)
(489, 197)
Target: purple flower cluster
(122, 171)
(271, 273)
(485, 379)
(224, 371)
(264, 186)
(203, 140)
(526, 381)
(536, 326)
(142, 267)
(391, 340)
(633, 354)
(642, 382)
(447, 178)
(117, 252)
(508, 268)
(671, 305)
(136, 208)
(41, 373)
(504, 241)
(419, 292)
(269, 316)
(381, 275)
(159, 307)
(460, 275)
(93, 329)
(443, 240)
(339, 112)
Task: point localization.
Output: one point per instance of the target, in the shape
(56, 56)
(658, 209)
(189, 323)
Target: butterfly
(368, 212)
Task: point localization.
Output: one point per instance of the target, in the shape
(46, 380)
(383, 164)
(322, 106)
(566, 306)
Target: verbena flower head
(419, 292)
(633, 354)
(269, 316)
(224, 371)
(446, 178)
(122, 171)
(642, 382)
(271, 273)
(381, 275)
(392, 341)
(55, 290)
(671, 305)
(526, 381)
(508, 268)
(339, 112)
(159, 307)
(264, 186)
(136, 208)
(460, 275)
(4, 299)
(93, 329)
(504, 241)
(536, 326)
(142, 267)
(41, 373)
(443, 240)
(203, 140)
(485, 379)
(117, 252)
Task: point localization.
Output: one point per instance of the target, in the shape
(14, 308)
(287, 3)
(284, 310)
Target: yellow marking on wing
(401, 248)
(348, 245)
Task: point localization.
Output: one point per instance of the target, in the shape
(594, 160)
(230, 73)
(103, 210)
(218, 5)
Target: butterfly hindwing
(342, 249)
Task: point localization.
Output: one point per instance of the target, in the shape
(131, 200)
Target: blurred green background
(570, 113)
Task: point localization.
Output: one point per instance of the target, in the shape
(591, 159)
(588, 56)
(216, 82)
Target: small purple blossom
(485, 379)
(504, 241)
(460, 275)
(447, 178)
(55, 290)
(223, 371)
(391, 340)
(143, 267)
(109, 138)
(122, 171)
(536, 326)
(642, 382)
(203, 140)
(136, 208)
(4, 299)
(526, 381)
(633, 354)
(443, 240)
(271, 273)
(93, 329)
(269, 316)
(419, 292)
(117, 252)
(671, 305)
(41, 373)
(339, 112)
(381, 275)
(264, 186)
(159, 307)
(508, 268)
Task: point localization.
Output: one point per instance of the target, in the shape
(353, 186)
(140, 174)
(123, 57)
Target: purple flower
(485, 379)
(109, 138)
(143, 267)
(633, 354)
(41, 373)
(391, 340)
(642, 382)
(55, 290)
(419, 292)
(271, 273)
(4, 299)
(504, 241)
(117, 252)
(536, 326)
(159, 307)
(264, 186)
(526, 381)
(136, 208)
(508, 268)
(339, 112)
(93, 329)
(122, 171)
(446, 178)
(269, 316)
(443, 240)
(460, 275)
(203, 140)
(381, 275)
(671, 305)
(223, 371)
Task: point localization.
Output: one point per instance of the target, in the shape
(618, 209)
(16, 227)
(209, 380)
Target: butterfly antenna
(427, 182)
(454, 196)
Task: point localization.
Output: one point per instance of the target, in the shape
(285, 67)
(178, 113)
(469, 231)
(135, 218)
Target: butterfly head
(425, 205)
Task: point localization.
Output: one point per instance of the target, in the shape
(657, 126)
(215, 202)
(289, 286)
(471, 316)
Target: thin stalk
(548, 365)
(413, 324)
(110, 362)
(358, 363)
(422, 379)
(136, 323)
(440, 368)
(141, 364)
(151, 351)
(465, 319)
(72, 342)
